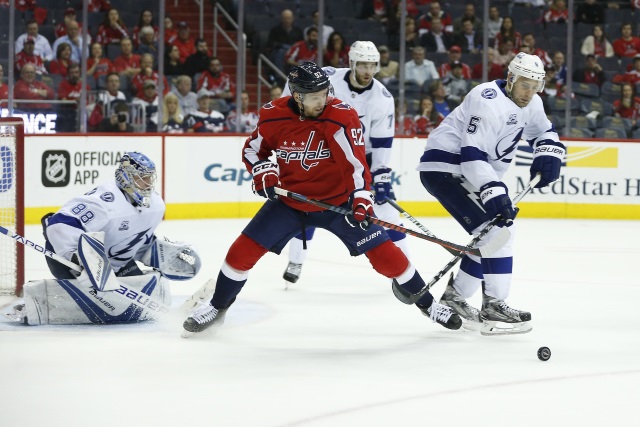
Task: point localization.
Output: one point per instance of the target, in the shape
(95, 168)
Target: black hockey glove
(547, 160)
(265, 179)
(382, 185)
(495, 199)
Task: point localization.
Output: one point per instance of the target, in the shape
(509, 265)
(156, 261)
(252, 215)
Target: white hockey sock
(297, 254)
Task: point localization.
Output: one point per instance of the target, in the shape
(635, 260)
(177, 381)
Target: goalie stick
(409, 298)
(131, 294)
(481, 251)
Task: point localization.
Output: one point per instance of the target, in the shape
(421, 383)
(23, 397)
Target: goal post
(11, 204)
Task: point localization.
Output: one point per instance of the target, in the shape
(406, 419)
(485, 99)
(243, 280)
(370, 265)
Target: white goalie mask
(136, 176)
(364, 51)
(527, 66)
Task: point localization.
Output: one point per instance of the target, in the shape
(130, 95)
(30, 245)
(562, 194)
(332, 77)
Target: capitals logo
(292, 151)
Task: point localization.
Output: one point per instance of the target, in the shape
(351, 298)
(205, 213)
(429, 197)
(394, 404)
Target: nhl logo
(55, 168)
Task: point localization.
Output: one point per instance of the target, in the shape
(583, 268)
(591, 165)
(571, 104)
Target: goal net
(11, 205)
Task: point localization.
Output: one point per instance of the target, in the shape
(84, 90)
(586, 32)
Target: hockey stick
(458, 248)
(409, 298)
(131, 294)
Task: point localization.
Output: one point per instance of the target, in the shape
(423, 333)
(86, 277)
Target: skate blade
(490, 328)
(470, 325)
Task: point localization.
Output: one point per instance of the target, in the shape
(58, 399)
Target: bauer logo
(576, 157)
(56, 166)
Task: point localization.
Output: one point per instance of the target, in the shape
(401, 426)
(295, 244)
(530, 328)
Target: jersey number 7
(356, 134)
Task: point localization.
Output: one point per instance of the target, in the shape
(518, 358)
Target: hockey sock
(226, 291)
(412, 282)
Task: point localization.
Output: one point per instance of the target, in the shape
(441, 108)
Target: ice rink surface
(337, 348)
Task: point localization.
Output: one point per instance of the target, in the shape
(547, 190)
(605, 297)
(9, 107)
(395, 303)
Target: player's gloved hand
(361, 203)
(547, 160)
(382, 185)
(265, 179)
(495, 199)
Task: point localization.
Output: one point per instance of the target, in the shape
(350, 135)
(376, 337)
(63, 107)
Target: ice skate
(292, 273)
(470, 315)
(441, 314)
(203, 316)
(500, 319)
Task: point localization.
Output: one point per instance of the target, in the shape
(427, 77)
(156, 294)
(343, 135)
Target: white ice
(337, 349)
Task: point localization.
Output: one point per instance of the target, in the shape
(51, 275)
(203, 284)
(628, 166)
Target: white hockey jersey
(375, 108)
(479, 138)
(105, 208)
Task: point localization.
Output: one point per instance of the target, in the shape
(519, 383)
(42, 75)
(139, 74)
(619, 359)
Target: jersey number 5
(472, 127)
(356, 134)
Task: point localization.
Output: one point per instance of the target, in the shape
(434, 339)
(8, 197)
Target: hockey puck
(544, 353)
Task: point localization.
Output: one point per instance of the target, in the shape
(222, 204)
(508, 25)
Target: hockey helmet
(528, 66)
(364, 51)
(307, 78)
(136, 176)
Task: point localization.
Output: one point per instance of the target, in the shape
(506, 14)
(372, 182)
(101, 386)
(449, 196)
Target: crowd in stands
(443, 40)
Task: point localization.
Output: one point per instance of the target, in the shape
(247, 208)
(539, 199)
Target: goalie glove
(265, 179)
(382, 185)
(361, 203)
(174, 260)
(547, 160)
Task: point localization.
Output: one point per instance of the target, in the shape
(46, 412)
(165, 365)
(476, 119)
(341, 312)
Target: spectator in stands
(172, 64)
(170, 32)
(557, 12)
(74, 40)
(172, 118)
(60, 65)
(4, 89)
(438, 94)
(144, 20)
(218, 84)
(27, 56)
(495, 72)
(597, 44)
(507, 32)
(376, 10)
(505, 54)
(61, 27)
(112, 29)
(281, 38)
(27, 87)
(455, 55)
(435, 11)
(337, 52)
(147, 74)
(436, 40)
(149, 100)
(303, 51)
(204, 119)
(187, 99)
(408, 126)
(627, 46)
(469, 40)
(69, 89)
(494, 23)
(127, 64)
(420, 69)
(632, 76)
(98, 5)
(248, 118)
(185, 41)
(98, 65)
(590, 12)
(411, 34)
(561, 69)
(428, 117)
(592, 72)
(455, 84)
(388, 68)
(118, 121)
(529, 40)
(105, 100)
(42, 45)
(275, 92)
(551, 85)
(628, 106)
(199, 61)
(469, 13)
(326, 29)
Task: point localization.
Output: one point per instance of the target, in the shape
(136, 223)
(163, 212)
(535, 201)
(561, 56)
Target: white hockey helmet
(363, 51)
(528, 66)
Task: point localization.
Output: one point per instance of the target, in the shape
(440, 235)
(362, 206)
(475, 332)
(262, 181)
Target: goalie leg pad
(388, 260)
(174, 260)
(96, 262)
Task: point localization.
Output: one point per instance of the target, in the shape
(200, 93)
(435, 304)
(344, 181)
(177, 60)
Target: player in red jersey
(319, 152)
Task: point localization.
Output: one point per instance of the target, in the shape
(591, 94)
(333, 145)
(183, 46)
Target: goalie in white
(106, 231)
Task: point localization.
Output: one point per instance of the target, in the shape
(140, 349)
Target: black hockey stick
(343, 211)
(409, 298)
(130, 294)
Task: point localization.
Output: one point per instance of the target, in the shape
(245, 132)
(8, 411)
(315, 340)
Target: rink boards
(203, 176)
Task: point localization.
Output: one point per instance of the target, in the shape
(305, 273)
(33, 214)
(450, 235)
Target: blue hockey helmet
(136, 176)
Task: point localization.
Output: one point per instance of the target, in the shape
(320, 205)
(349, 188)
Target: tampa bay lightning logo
(507, 144)
(127, 248)
(107, 197)
(489, 93)
(330, 71)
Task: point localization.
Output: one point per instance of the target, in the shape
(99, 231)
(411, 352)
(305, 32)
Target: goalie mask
(136, 176)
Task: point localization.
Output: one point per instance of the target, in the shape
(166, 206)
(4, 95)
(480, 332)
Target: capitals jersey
(105, 208)
(322, 158)
(376, 111)
(479, 138)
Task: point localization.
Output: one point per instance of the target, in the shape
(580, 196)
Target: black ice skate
(202, 317)
(441, 314)
(469, 314)
(500, 319)
(292, 273)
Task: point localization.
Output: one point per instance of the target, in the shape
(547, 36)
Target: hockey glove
(382, 185)
(495, 199)
(361, 203)
(547, 160)
(265, 179)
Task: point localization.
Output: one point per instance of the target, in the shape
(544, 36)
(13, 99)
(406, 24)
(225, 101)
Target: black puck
(544, 353)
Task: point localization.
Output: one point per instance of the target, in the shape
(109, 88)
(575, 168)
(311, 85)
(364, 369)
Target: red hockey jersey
(322, 158)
